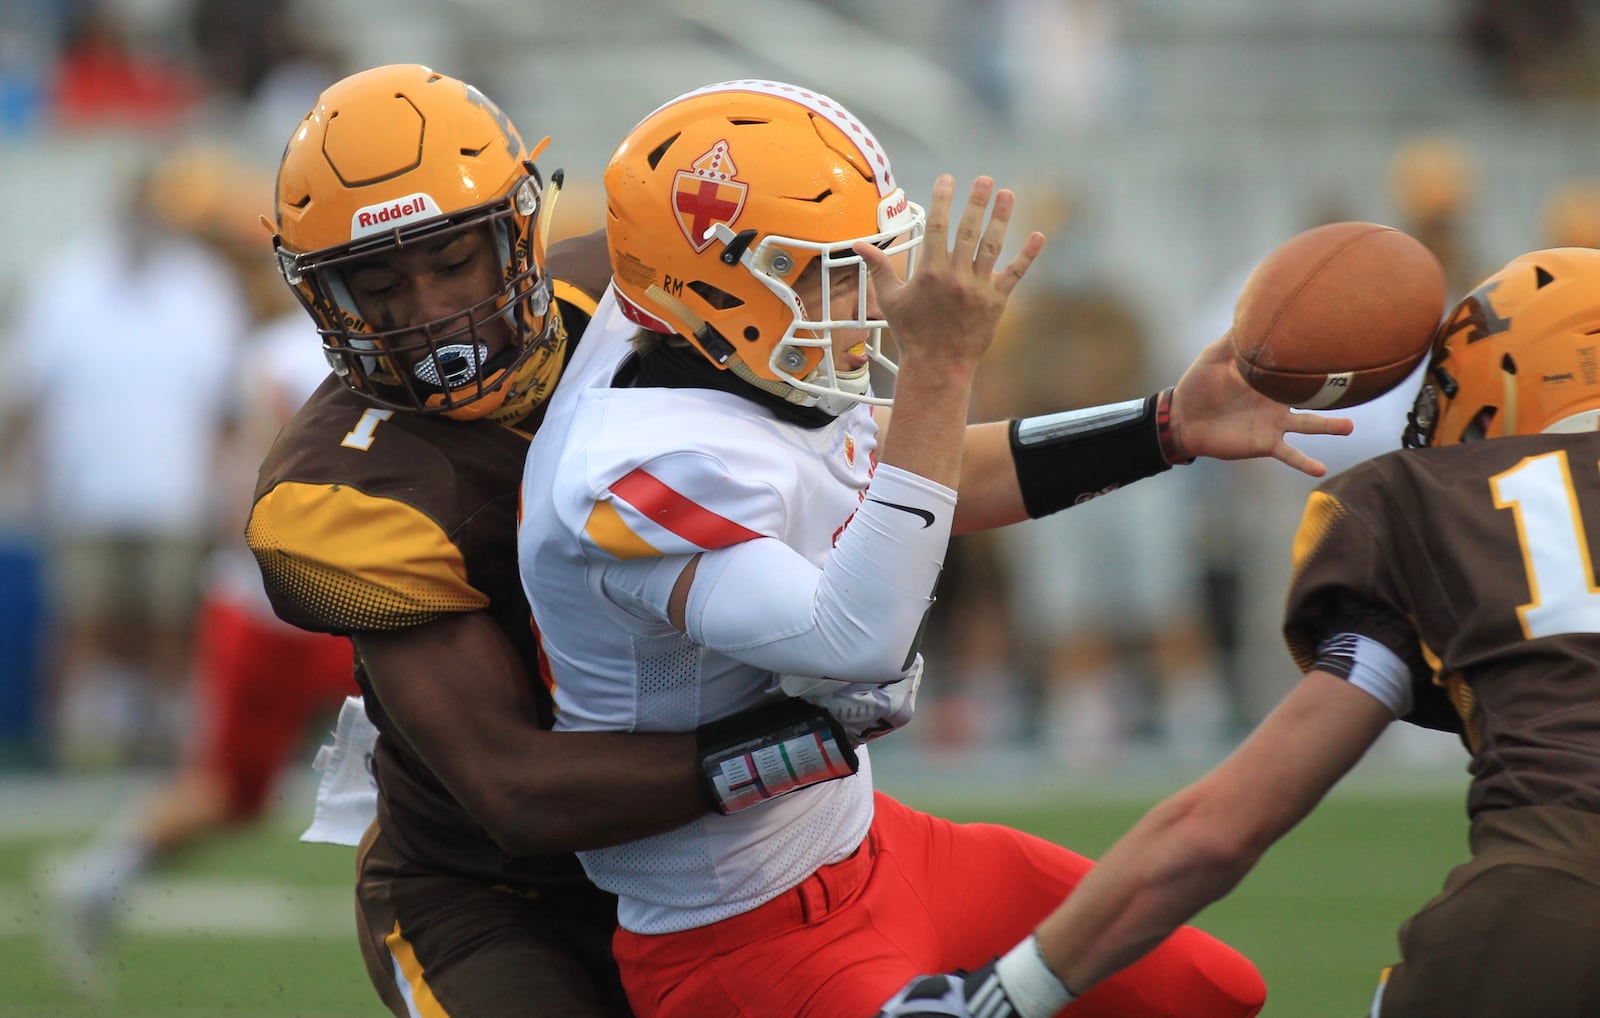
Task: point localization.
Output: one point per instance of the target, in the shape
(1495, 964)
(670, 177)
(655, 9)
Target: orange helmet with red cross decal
(716, 205)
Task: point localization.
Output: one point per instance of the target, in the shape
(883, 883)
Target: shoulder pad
(335, 559)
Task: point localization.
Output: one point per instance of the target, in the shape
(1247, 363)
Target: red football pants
(258, 684)
(921, 895)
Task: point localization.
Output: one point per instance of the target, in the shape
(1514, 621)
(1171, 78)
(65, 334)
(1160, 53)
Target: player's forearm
(857, 618)
(585, 790)
(1158, 876)
(989, 494)
(537, 792)
(458, 694)
(930, 417)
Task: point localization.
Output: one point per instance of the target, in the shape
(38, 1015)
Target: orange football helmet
(390, 156)
(718, 201)
(1519, 355)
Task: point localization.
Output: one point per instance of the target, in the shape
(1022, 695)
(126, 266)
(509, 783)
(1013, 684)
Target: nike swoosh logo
(925, 515)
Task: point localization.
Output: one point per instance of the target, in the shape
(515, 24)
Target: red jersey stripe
(682, 516)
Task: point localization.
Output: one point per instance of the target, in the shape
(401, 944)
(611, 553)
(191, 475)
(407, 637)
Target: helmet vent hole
(659, 152)
(473, 152)
(819, 199)
(718, 298)
(747, 121)
(1478, 428)
(752, 333)
(1508, 364)
(1542, 278)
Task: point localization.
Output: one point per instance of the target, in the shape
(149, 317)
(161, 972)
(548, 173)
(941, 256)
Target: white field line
(189, 907)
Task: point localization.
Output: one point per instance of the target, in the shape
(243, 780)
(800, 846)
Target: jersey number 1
(1555, 548)
(360, 436)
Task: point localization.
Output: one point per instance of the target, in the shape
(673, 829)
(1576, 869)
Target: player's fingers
(1319, 424)
(880, 267)
(994, 235)
(971, 224)
(1008, 279)
(937, 227)
(1300, 461)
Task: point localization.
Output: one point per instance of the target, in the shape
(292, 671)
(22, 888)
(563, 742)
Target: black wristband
(1070, 457)
(768, 751)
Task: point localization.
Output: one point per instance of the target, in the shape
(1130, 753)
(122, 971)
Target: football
(1337, 315)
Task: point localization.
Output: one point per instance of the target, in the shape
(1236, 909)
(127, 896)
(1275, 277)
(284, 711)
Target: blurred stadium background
(1164, 145)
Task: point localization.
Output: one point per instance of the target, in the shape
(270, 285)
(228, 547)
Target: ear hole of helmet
(715, 296)
(1477, 429)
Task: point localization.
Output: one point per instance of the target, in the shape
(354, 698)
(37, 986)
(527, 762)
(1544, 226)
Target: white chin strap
(852, 386)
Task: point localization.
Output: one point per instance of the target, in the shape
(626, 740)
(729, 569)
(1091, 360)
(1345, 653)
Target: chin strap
(782, 390)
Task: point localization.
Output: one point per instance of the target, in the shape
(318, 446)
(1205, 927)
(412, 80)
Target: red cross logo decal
(707, 195)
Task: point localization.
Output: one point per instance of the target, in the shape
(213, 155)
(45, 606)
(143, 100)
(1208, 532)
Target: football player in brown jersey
(1450, 585)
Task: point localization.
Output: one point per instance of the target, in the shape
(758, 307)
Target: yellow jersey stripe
(610, 533)
(356, 561)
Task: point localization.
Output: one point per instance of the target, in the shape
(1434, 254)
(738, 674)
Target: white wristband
(1034, 991)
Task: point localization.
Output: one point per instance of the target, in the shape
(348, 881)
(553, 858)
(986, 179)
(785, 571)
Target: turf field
(258, 926)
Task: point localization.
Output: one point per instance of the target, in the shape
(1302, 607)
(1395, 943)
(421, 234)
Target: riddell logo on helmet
(377, 218)
(890, 209)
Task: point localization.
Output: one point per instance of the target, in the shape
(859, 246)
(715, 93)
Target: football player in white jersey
(710, 522)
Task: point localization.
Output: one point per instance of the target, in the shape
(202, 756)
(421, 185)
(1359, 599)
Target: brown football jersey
(370, 520)
(1472, 564)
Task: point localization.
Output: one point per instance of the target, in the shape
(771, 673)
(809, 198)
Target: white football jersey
(631, 473)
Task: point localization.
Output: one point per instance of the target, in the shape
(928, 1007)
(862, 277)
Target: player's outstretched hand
(951, 305)
(1216, 413)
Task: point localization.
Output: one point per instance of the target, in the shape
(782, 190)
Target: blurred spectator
(258, 681)
(1106, 595)
(104, 76)
(1066, 60)
(1572, 215)
(1433, 187)
(239, 44)
(30, 38)
(972, 697)
(972, 40)
(260, 69)
(120, 360)
(1538, 49)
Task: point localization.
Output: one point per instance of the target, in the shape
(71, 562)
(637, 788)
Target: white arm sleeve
(857, 618)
